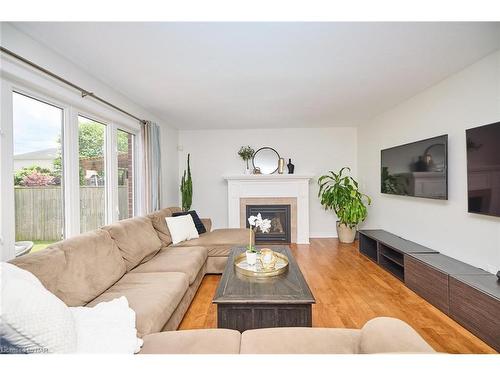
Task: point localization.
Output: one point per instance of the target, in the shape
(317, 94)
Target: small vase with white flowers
(264, 225)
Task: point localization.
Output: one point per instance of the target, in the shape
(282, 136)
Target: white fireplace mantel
(270, 186)
(276, 177)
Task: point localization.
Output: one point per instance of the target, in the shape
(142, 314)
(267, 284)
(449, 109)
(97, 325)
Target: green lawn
(40, 245)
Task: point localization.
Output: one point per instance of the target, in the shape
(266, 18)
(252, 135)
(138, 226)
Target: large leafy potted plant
(340, 193)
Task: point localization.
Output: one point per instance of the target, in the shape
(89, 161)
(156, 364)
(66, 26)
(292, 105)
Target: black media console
(469, 295)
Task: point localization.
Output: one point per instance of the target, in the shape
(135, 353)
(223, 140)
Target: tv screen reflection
(417, 169)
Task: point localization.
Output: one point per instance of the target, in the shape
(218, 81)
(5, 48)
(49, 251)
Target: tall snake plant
(187, 188)
(341, 194)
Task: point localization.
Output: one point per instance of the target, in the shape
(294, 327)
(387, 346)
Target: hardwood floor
(350, 290)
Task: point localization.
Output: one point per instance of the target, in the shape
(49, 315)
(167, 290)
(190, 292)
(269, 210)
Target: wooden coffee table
(246, 303)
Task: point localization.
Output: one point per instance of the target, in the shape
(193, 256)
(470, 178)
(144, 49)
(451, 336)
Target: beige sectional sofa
(217, 243)
(135, 258)
(379, 335)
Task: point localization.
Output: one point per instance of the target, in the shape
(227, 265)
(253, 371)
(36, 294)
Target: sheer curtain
(150, 133)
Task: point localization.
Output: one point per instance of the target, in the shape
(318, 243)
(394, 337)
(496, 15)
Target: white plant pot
(248, 171)
(251, 258)
(346, 234)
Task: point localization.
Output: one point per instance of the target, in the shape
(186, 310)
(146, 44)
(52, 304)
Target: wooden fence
(39, 211)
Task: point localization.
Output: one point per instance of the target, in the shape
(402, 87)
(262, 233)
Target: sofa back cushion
(78, 269)
(160, 225)
(300, 340)
(136, 239)
(391, 335)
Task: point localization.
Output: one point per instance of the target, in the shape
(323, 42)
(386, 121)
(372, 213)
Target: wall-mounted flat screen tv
(417, 169)
(483, 169)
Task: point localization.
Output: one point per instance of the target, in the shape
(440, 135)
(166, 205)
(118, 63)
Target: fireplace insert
(279, 215)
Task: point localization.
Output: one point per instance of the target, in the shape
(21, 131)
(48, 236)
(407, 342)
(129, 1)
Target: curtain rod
(84, 92)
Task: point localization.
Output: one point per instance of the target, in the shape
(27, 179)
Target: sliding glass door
(64, 171)
(38, 178)
(92, 173)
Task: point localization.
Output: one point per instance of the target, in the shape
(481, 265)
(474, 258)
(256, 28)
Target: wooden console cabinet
(427, 282)
(389, 250)
(469, 295)
(475, 304)
(428, 275)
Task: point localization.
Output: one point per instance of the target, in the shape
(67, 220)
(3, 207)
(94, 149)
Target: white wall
(22, 44)
(468, 99)
(312, 150)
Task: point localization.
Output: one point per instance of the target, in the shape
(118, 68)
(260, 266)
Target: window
(38, 154)
(66, 170)
(92, 160)
(126, 174)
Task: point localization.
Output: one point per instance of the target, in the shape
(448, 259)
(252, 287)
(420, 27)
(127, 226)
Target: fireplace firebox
(279, 215)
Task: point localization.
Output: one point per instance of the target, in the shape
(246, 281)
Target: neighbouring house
(42, 158)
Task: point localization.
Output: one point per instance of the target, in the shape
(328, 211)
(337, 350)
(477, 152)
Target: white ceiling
(268, 75)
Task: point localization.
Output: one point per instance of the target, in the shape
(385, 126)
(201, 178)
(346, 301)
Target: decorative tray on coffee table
(257, 270)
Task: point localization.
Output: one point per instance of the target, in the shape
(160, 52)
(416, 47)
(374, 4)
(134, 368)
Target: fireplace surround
(273, 189)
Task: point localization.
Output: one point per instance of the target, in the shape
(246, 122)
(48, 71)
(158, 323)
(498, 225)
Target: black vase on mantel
(290, 166)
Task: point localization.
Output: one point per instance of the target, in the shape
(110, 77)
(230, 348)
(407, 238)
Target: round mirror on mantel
(266, 159)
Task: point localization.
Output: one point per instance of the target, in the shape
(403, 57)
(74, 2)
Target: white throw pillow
(31, 317)
(108, 327)
(181, 228)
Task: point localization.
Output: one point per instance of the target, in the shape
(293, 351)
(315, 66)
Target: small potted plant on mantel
(246, 153)
(341, 194)
(264, 225)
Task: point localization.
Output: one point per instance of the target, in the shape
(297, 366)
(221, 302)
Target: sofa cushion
(207, 223)
(160, 225)
(188, 260)
(216, 265)
(199, 341)
(300, 341)
(136, 239)
(200, 227)
(153, 296)
(181, 228)
(78, 269)
(220, 238)
(391, 335)
(219, 250)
